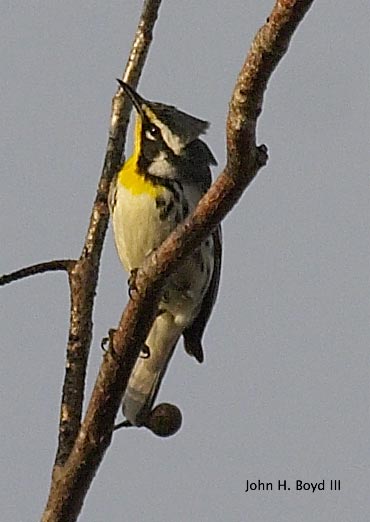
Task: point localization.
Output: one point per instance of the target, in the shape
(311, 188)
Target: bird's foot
(109, 340)
(145, 352)
(132, 282)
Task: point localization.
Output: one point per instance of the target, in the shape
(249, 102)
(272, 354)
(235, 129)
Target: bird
(154, 191)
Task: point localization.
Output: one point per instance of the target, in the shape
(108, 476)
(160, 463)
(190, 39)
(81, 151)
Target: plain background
(284, 391)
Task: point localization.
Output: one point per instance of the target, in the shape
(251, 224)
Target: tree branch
(244, 161)
(48, 266)
(83, 277)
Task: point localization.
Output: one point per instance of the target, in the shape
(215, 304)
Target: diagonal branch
(244, 161)
(40, 268)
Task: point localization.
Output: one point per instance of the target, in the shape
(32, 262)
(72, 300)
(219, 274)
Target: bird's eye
(154, 131)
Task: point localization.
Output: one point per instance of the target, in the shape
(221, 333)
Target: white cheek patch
(161, 167)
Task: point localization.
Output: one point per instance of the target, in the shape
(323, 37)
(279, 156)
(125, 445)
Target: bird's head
(162, 132)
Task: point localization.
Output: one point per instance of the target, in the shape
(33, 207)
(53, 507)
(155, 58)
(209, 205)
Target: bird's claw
(103, 344)
(109, 340)
(132, 282)
(145, 352)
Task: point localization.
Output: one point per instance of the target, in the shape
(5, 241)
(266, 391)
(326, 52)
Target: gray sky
(283, 393)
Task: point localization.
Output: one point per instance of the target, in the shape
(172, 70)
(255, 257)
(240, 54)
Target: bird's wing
(193, 334)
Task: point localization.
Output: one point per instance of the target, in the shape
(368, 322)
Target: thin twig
(40, 268)
(244, 161)
(84, 277)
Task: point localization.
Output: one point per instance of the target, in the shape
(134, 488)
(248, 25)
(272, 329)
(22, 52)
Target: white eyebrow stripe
(173, 141)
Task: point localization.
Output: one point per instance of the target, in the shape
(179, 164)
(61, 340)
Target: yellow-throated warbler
(157, 187)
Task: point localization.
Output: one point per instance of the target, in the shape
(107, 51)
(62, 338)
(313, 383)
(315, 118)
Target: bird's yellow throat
(130, 177)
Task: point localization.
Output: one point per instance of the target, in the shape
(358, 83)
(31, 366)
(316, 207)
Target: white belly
(138, 229)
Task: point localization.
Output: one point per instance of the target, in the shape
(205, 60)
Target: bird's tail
(149, 370)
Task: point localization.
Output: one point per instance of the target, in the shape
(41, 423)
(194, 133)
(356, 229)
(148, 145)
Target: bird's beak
(137, 100)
